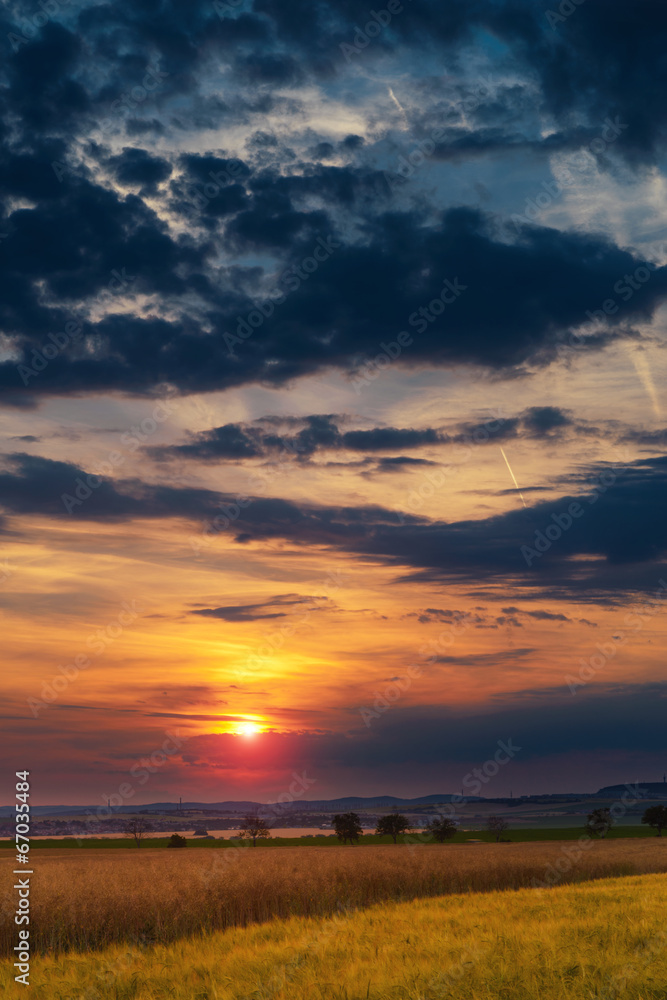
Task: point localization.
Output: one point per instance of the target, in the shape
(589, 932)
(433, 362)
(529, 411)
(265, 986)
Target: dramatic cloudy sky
(332, 354)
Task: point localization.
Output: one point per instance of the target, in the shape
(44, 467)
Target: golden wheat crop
(91, 899)
(600, 939)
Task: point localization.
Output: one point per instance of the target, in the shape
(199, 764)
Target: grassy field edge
(462, 837)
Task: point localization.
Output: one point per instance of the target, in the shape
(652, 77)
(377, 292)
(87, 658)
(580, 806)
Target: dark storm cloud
(31, 485)
(269, 70)
(360, 298)
(499, 659)
(608, 61)
(462, 144)
(438, 615)
(534, 724)
(69, 232)
(648, 438)
(71, 245)
(546, 616)
(539, 615)
(537, 422)
(42, 78)
(580, 60)
(319, 432)
(543, 420)
(399, 462)
(389, 438)
(609, 717)
(370, 467)
(137, 167)
(77, 231)
(255, 612)
(619, 529)
(210, 188)
(586, 62)
(618, 540)
(303, 437)
(229, 441)
(241, 613)
(584, 68)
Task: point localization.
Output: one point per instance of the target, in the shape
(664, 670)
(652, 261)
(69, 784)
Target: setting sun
(248, 729)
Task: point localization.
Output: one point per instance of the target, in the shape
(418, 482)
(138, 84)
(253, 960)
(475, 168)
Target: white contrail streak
(643, 369)
(399, 106)
(512, 475)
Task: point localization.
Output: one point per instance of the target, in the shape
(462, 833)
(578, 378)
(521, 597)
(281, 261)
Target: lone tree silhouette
(656, 816)
(177, 841)
(137, 828)
(348, 827)
(497, 826)
(255, 828)
(441, 828)
(392, 825)
(599, 822)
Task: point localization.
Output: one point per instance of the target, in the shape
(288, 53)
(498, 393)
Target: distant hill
(646, 789)
(236, 807)
(375, 801)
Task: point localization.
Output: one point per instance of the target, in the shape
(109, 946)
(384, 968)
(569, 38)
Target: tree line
(348, 829)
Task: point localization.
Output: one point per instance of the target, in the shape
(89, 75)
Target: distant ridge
(299, 805)
(645, 789)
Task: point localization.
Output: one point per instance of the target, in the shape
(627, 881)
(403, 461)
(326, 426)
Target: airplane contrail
(643, 369)
(399, 106)
(512, 475)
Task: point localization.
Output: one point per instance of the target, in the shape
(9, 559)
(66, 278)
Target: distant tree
(177, 841)
(392, 825)
(137, 828)
(656, 816)
(348, 827)
(599, 822)
(255, 828)
(441, 828)
(497, 826)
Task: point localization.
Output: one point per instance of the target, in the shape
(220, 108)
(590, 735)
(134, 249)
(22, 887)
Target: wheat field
(601, 940)
(89, 900)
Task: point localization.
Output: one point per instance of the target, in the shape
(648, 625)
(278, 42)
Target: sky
(331, 382)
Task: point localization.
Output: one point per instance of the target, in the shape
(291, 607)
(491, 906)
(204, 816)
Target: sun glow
(248, 729)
